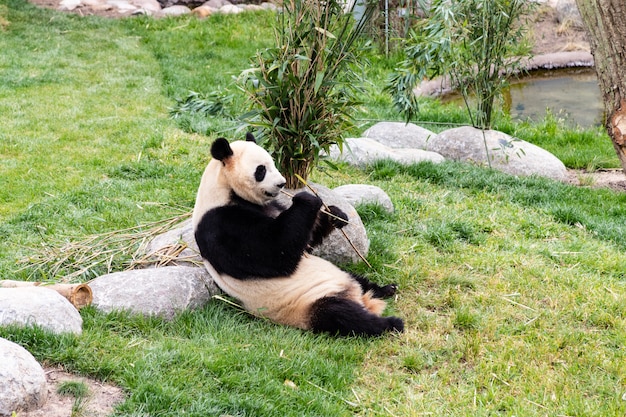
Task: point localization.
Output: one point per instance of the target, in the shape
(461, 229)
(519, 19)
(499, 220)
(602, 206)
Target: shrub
(303, 91)
(476, 43)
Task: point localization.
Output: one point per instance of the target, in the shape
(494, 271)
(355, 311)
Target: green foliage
(303, 91)
(75, 389)
(476, 43)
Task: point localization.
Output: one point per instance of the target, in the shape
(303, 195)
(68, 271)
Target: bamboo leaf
(325, 32)
(319, 78)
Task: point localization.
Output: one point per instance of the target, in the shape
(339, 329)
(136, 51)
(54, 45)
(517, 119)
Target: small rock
(175, 11)
(202, 11)
(69, 5)
(365, 194)
(216, 4)
(122, 6)
(150, 6)
(23, 384)
(230, 9)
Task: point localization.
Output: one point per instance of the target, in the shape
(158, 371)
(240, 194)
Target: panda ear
(221, 149)
(250, 137)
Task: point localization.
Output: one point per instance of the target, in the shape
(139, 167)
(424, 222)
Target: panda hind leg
(376, 290)
(345, 317)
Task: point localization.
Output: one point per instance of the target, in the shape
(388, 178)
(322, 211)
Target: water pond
(571, 94)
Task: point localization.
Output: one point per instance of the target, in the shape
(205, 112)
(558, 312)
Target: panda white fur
(256, 249)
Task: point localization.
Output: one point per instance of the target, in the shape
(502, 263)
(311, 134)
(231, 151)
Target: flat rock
(160, 292)
(23, 384)
(28, 306)
(399, 135)
(507, 154)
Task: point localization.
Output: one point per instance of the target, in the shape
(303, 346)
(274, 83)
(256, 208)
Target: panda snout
(281, 185)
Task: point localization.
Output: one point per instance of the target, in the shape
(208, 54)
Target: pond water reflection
(572, 94)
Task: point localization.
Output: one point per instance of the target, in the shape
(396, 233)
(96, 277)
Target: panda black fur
(256, 249)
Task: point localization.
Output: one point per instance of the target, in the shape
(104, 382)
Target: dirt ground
(550, 36)
(100, 401)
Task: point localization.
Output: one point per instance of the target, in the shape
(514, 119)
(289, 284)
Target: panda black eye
(259, 174)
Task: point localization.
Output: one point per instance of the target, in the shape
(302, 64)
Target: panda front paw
(338, 219)
(307, 199)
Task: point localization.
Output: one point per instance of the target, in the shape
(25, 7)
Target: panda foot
(395, 324)
(388, 290)
(338, 219)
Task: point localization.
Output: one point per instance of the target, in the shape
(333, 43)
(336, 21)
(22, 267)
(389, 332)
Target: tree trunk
(605, 21)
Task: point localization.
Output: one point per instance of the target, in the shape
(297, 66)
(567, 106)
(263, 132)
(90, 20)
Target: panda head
(248, 170)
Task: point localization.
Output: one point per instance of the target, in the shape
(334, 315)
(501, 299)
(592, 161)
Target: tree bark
(605, 21)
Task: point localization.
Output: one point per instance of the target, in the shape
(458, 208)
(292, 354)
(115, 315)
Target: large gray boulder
(399, 135)
(23, 384)
(160, 292)
(29, 306)
(507, 154)
(365, 151)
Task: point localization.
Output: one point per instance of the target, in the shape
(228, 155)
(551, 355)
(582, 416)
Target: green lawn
(512, 289)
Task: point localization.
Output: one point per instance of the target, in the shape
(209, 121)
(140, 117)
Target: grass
(512, 288)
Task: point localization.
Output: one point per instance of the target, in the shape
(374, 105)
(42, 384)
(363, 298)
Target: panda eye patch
(259, 174)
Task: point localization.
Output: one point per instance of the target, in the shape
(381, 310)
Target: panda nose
(281, 185)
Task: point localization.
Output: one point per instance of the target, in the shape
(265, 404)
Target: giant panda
(257, 250)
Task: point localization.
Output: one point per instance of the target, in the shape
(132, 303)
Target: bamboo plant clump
(303, 91)
(476, 43)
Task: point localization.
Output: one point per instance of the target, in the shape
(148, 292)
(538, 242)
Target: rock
(69, 5)
(230, 9)
(568, 14)
(507, 154)
(158, 291)
(357, 194)
(175, 11)
(202, 11)
(150, 6)
(364, 151)
(336, 248)
(23, 384)
(27, 306)
(216, 4)
(399, 135)
(167, 247)
(269, 6)
(122, 6)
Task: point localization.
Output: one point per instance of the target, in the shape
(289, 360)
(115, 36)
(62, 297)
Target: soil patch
(100, 401)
